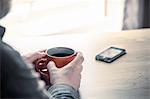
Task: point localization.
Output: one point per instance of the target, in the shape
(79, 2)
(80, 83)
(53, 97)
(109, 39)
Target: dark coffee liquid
(61, 54)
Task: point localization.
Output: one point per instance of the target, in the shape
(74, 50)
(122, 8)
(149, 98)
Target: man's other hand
(69, 74)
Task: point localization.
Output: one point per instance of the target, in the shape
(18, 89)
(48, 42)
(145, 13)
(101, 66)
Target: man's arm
(21, 81)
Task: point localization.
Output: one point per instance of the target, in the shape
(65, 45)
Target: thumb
(51, 66)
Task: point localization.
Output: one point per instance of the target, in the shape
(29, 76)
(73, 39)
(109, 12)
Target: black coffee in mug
(60, 52)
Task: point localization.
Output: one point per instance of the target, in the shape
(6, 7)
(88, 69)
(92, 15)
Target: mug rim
(74, 52)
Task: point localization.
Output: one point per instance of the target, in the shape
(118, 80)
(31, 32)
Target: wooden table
(126, 78)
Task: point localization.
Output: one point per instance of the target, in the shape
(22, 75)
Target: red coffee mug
(61, 56)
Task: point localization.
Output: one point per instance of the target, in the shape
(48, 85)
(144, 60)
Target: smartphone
(110, 54)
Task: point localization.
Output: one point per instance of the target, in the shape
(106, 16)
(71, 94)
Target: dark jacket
(19, 80)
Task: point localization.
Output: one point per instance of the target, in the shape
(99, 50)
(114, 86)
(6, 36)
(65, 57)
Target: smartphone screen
(110, 54)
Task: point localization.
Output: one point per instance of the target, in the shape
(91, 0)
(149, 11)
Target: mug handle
(41, 66)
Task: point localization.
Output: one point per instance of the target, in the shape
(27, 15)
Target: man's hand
(69, 74)
(31, 57)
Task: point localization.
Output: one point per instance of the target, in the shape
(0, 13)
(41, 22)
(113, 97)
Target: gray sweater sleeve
(63, 91)
(19, 80)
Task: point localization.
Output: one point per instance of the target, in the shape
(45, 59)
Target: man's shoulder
(7, 50)
(10, 56)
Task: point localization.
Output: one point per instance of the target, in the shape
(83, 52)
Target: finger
(79, 69)
(40, 53)
(78, 60)
(37, 55)
(51, 66)
(43, 50)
